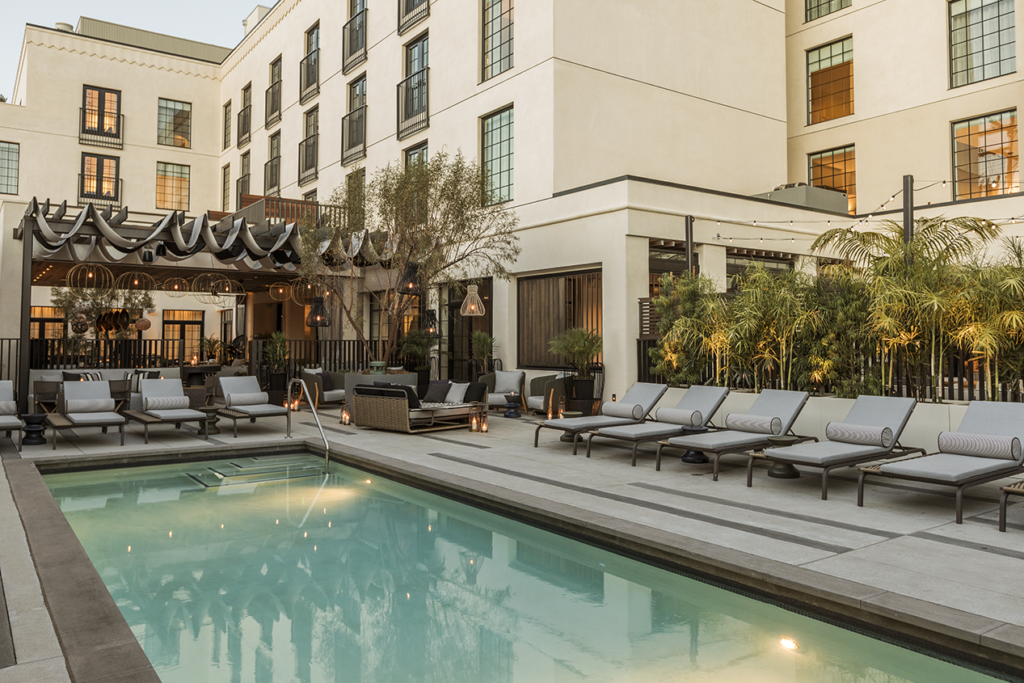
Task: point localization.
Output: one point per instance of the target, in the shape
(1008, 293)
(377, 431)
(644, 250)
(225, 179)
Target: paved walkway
(902, 551)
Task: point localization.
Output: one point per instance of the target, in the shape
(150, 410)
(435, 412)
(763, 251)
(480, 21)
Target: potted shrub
(581, 347)
(275, 355)
(416, 346)
(482, 348)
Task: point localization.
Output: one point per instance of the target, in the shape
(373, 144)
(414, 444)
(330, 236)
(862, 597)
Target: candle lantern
(345, 417)
(483, 422)
(561, 407)
(474, 424)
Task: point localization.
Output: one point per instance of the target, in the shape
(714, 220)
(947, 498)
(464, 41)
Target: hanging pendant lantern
(135, 281)
(175, 287)
(431, 327)
(279, 291)
(80, 326)
(318, 316)
(90, 279)
(473, 306)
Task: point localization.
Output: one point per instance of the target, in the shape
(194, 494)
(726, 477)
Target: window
(981, 40)
(225, 185)
(835, 169)
(172, 186)
(498, 152)
(227, 326)
(353, 125)
(102, 111)
(174, 123)
(830, 81)
(551, 304)
(185, 326)
(353, 36)
(309, 67)
(242, 184)
(245, 116)
(411, 12)
(310, 196)
(309, 147)
(227, 125)
(273, 99)
(413, 93)
(498, 24)
(357, 94)
(274, 146)
(313, 39)
(99, 177)
(985, 156)
(9, 154)
(46, 322)
(417, 55)
(272, 169)
(819, 8)
(416, 155)
(737, 263)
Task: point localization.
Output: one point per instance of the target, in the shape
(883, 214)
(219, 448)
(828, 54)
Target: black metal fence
(59, 354)
(335, 355)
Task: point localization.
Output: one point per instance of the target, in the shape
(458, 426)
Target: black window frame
(101, 164)
(504, 29)
(163, 134)
(1002, 28)
(953, 138)
(845, 149)
(227, 125)
(813, 8)
(16, 165)
(101, 111)
(188, 191)
(485, 162)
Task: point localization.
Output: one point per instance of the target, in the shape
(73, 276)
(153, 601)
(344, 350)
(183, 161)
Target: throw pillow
(410, 394)
(72, 376)
(457, 392)
(327, 381)
(476, 392)
(437, 392)
(507, 382)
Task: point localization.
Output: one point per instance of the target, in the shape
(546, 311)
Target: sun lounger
(86, 404)
(695, 409)
(772, 414)
(871, 431)
(9, 420)
(632, 409)
(986, 447)
(243, 398)
(164, 402)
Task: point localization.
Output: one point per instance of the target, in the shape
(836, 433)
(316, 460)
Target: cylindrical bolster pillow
(865, 435)
(758, 424)
(166, 403)
(980, 445)
(683, 418)
(8, 407)
(625, 410)
(256, 399)
(89, 405)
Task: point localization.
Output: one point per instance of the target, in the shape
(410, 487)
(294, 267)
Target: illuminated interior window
(985, 156)
(830, 81)
(835, 169)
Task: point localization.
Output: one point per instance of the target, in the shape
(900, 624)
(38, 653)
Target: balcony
(353, 48)
(274, 104)
(100, 192)
(414, 104)
(272, 177)
(309, 77)
(307, 159)
(244, 126)
(353, 136)
(241, 189)
(411, 12)
(108, 133)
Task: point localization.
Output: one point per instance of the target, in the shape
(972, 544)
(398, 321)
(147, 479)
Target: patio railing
(335, 355)
(60, 354)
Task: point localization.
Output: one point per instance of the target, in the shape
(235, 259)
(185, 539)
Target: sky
(210, 21)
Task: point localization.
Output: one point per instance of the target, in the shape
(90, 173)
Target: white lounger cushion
(579, 424)
(980, 445)
(948, 467)
(824, 453)
(261, 410)
(754, 424)
(864, 435)
(613, 409)
(333, 395)
(154, 403)
(647, 430)
(95, 418)
(184, 414)
(714, 441)
(10, 422)
(684, 418)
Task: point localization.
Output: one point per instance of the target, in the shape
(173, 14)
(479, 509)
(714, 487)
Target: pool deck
(899, 564)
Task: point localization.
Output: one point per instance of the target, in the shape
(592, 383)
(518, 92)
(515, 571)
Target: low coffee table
(34, 431)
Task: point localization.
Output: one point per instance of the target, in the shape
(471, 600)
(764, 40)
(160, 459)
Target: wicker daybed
(389, 408)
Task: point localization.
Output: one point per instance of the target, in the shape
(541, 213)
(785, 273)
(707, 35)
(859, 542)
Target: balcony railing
(274, 103)
(241, 188)
(411, 12)
(244, 126)
(414, 104)
(649, 319)
(307, 159)
(354, 42)
(353, 136)
(309, 77)
(272, 176)
(99, 197)
(91, 130)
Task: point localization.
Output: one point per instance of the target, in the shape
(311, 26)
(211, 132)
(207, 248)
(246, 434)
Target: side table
(782, 470)
(567, 414)
(694, 457)
(512, 407)
(34, 430)
(211, 418)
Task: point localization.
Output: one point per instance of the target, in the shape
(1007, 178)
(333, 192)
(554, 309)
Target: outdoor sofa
(870, 431)
(772, 414)
(986, 447)
(694, 409)
(243, 399)
(398, 408)
(85, 404)
(164, 402)
(632, 409)
(9, 420)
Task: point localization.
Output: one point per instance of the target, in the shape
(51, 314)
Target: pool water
(265, 569)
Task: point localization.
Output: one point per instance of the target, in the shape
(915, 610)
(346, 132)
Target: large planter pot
(579, 396)
(276, 385)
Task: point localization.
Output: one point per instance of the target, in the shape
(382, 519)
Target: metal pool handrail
(305, 391)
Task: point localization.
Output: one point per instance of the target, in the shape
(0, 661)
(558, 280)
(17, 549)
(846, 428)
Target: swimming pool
(262, 569)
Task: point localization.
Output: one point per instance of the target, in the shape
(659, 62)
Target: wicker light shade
(90, 279)
(176, 287)
(135, 281)
(304, 292)
(228, 292)
(280, 291)
(431, 327)
(203, 283)
(79, 325)
(473, 305)
(318, 316)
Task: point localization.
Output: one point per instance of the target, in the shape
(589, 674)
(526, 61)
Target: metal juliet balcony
(414, 104)
(244, 126)
(309, 77)
(100, 130)
(411, 12)
(353, 136)
(241, 188)
(100, 191)
(274, 103)
(272, 176)
(353, 45)
(308, 158)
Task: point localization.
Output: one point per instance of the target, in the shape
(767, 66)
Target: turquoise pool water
(263, 569)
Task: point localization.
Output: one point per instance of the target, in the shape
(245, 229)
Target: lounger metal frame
(730, 450)
(576, 434)
(643, 439)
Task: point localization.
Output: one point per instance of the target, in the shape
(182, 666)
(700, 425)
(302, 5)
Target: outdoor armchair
(545, 393)
(164, 402)
(9, 420)
(243, 398)
(322, 394)
(871, 431)
(501, 383)
(695, 409)
(632, 409)
(772, 414)
(86, 404)
(986, 447)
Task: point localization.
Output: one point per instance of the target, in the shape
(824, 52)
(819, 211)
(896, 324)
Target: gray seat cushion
(949, 468)
(824, 453)
(261, 410)
(716, 441)
(10, 422)
(647, 430)
(95, 418)
(178, 414)
(333, 396)
(578, 424)
(535, 402)
(496, 399)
